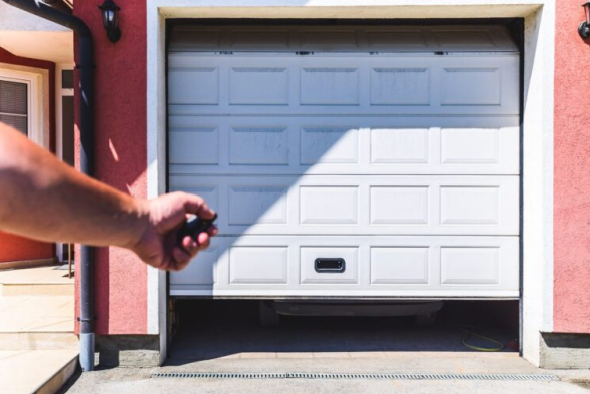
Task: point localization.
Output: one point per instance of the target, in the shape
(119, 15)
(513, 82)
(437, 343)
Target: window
(67, 79)
(22, 104)
(65, 113)
(14, 105)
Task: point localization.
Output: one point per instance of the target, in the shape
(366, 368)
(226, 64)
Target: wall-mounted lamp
(110, 19)
(584, 28)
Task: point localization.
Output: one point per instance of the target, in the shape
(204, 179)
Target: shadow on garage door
(208, 330)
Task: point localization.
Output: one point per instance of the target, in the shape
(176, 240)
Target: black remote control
(193, 227)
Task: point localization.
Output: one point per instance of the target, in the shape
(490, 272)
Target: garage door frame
(537, 213)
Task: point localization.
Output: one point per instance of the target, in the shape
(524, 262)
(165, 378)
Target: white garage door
(349, 161)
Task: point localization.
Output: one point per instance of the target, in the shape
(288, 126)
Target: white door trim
(539, 15)
(60, 92)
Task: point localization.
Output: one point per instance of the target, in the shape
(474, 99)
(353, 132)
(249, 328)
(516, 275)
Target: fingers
(202, 242)
(190, 245)
(202, 238)
(197, 206)
(181, 256)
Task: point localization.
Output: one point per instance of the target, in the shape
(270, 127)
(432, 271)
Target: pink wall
(571, 309)
(120, 154)
(14, 248)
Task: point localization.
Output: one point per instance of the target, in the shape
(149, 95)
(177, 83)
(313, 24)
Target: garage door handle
(333, 265)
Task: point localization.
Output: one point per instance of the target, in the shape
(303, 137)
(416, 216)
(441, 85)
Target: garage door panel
(258, 265)
(330, 86)
(343, 145)
(400, 86)
(184, 139)
(194, 86)
(359, 84)
(353, 205)
(470, 266)
(258, 86)
(378, 266)
(329, 144)
(328, 205)
(399, 205)
(400, 265)
(388, 167)
(249, 205)
(458, 86)
(401, 146)
(262, 145)
(203, 274)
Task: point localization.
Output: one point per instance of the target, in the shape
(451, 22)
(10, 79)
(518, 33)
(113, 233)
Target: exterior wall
(571, 307)
(120, 157)
(15, 248)
(122, 292)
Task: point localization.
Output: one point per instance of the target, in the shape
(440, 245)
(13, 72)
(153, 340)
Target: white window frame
(35, 104)
(60, 92)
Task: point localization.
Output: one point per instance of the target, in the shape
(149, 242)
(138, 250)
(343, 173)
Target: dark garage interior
(212, 329)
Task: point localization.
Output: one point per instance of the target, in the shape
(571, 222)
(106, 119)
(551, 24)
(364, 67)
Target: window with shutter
(14, 108)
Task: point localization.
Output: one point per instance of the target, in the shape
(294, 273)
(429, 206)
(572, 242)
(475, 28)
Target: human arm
(45, 199)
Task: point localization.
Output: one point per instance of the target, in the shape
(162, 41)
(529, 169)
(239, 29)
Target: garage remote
(194, 226)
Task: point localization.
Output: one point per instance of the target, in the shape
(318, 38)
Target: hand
(158, 246)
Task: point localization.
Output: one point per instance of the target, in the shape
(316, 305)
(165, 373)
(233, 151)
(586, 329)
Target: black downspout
(85, 68)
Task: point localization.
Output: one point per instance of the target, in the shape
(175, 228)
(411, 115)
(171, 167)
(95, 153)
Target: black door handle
(334, 265)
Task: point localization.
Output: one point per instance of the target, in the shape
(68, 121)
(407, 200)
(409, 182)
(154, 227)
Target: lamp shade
(110, 14)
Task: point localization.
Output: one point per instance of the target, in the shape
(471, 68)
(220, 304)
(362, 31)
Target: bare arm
(45, 199)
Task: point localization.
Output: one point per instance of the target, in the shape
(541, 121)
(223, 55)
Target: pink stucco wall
(120, 157)
(571, 309)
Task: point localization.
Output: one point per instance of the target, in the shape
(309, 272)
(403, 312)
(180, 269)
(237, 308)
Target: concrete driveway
(137, 380)
(226, 338)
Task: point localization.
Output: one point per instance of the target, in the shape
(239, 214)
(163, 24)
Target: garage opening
(368, 170)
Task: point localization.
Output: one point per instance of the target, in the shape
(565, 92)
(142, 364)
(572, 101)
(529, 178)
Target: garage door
(349, 161)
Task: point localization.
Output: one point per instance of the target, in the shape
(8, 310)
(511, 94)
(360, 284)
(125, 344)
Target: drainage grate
(374, 376)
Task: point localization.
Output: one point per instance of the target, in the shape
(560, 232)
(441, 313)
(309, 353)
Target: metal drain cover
(373, 376)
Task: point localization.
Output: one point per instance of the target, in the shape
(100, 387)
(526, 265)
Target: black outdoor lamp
(584, 29)
(110, 19)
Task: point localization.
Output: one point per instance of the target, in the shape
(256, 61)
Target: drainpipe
(85, 96)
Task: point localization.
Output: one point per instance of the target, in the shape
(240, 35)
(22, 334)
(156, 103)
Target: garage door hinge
(303, 53)
(226, 53)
